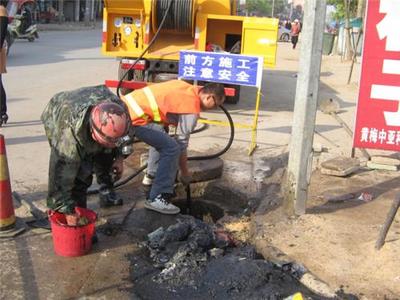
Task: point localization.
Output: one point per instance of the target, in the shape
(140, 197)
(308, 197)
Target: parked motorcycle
(9, 39)
(18, 32)
(20, 21)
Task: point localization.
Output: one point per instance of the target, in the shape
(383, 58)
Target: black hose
(204, 157)
(147, 48)
(228, 145)
(181, 17)
(182, 21)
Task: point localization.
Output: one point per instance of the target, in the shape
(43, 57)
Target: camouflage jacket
(66, 122)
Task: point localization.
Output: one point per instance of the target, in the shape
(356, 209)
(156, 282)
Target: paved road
(64, 60)
(36, 71)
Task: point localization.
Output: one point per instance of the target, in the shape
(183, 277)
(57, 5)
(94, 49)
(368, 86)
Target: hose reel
(179, 19)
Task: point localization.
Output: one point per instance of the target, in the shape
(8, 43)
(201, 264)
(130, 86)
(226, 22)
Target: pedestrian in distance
(152, 109)
(3, 60)
(84, 127)
(288, 24)
(295, 32)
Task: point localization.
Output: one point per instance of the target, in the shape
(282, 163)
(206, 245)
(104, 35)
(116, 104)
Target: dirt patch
(335, 240)
(239, 228)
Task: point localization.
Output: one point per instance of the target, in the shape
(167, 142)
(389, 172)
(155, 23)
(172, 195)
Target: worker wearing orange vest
(152, 109)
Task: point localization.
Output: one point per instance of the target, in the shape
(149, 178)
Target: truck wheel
(31, 39)
(128, 77)
(233, 99)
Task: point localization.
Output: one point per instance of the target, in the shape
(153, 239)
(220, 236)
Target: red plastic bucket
(72, 240)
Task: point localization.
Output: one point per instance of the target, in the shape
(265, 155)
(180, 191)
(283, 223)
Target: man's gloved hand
(117, 168)
(72, 219)
(76, 220)
(185, 179)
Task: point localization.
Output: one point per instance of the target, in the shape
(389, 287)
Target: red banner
(378, 109)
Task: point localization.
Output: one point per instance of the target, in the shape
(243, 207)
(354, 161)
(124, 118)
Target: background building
(49, 11)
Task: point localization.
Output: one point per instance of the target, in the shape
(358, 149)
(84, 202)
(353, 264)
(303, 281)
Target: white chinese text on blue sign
(221, 67)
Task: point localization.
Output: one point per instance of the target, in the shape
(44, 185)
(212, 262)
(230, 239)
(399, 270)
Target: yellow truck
(132, 31)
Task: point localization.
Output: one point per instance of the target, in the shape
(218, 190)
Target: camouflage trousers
(69, 181)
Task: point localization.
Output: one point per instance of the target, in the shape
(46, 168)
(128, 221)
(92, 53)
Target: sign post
(225, 68)
(377, 123)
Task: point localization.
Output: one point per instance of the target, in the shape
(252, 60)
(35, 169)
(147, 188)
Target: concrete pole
(87, 12)
(300, 155)
(273, 8)
(77, 10)
(99, 9)
(60, 11)
(92, 11)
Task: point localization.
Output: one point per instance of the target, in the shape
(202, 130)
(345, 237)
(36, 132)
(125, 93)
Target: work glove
(117, 169)
(185, 179)
(72, 219)
(76, 220)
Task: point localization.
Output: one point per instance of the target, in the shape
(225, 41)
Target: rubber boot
(95, 239)
(109, 198)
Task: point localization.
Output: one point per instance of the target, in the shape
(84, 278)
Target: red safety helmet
(109, 122)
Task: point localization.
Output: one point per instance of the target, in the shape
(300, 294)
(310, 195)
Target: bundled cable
(180, 17)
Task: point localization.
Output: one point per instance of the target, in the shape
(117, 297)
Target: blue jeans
(163, 157)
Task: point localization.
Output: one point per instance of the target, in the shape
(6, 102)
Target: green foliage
(264, 7)
(261, 6)
(340, 8)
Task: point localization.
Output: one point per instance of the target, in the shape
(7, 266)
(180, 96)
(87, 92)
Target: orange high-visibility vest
(154, 102)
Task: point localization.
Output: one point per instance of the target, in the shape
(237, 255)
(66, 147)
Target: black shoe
(3, 119)
(95, 239)
(109, 198)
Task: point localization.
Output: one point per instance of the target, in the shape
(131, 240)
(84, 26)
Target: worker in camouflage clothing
(84, 127)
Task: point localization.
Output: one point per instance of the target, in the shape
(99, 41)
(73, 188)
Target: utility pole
(60, 11)
(273, 8)
(92, 11)
(87, 12)
(305, 108)
(77, 10)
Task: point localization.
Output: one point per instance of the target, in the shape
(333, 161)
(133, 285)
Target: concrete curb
(300, 272)
(70, 26)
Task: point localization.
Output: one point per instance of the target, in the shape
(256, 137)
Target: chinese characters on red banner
(378, 110)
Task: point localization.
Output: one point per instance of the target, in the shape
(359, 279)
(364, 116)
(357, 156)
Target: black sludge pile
(195, 260)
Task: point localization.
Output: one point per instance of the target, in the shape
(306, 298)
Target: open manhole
(201, 209)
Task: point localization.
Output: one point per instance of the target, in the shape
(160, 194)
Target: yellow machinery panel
(124, 4)
(124, 32)
(128, 29)
(259, 37)
(219, 7)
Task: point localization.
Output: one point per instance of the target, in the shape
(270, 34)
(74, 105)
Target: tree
(340, 6)
(258, 7)
(361, 8)
(265, 7)
(345, 10)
